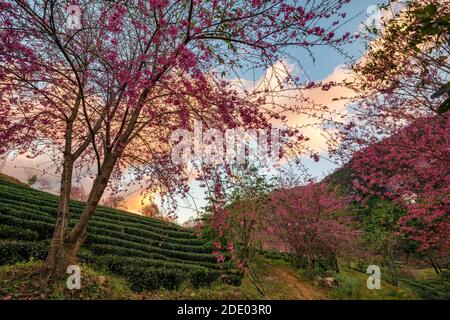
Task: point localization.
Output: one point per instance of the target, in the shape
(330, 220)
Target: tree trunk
(75, 238)
(336, 264)
(433, 263)
(311, 264)
(98, 188)
(66, 244)
(390, 263)
(56, 250)
(438, 265)
(57, 242)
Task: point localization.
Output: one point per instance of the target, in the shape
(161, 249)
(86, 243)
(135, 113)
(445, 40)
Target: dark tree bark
(67, 243)
(56, 250)
(434, 264)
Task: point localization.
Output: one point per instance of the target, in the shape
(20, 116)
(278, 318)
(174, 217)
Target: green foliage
(41, 202)
(275, 255)
(429, 24)
(445, 106)
(379, 219)
(99, 239)
(153, 279)
(110, 250)
(98, 229)
(25, 280)
(7, 232)
(18, 192)
(347, 287)
(233, 279)
(44, 229)
(202, 277)
(13, 251)
(244, 193)
(142, 274)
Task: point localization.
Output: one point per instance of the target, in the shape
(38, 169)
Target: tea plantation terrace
(150, 253)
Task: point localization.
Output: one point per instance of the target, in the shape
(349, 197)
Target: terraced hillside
(148, 252)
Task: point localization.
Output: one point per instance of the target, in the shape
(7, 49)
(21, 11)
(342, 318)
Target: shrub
(49, 203)
(233, 279)
(44, 229)
(98, 239)
(153, 279)
(104, 249)
(12, 251)
(100, 229)
(16, 233)
(142, 279)
(202, 277)
(274, 254)
(170, 278)
(119, 227)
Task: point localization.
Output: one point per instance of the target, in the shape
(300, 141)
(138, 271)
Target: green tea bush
(202, 277)
(13, 251)
(100, 230)
(17, 233)
(44, 229)
(153, 279)
(104, 249)
(233, 279)
(98, 239)
(48, 202)
(142, 274)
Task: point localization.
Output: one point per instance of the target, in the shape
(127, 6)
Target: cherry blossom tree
(310, 222)
(236, 216)
(411, 168)
(398, 125)
(105, 97)
(398, 78)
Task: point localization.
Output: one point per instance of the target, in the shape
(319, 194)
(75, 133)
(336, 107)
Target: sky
(329, 65)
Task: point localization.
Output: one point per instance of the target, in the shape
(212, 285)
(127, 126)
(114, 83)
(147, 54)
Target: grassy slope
(23, 280)
(353, 286)
(280, 281)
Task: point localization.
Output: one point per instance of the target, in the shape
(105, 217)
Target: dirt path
(296, 288)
